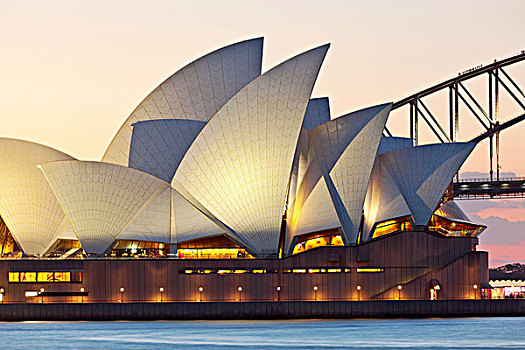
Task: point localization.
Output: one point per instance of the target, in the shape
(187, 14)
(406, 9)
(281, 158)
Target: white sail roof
(170, 218)
(158, 146)
(197, 91)
(423, 173)
(345, 149)
(317, 113)
(27, 203)
(154, 223)
(239, 166)
(383, 199)
(318, 213)
(101, 199)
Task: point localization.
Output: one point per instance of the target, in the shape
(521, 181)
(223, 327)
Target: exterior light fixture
(358, 293)
(399, 287)
(161, 289)
(315, 292)
(200, 293)
(82, 295)
(42, 295)
(121, 294)
(240, 292)
(278, 293)
(475, 291)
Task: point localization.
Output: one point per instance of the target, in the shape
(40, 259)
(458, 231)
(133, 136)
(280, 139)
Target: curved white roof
(384, 201)
(170, 218)
(451, 209)
(317, 213)
(423, 173)
(189, 222)
(158, 146)
(154, 223)
(101, 199)
(27, 203)
(317, 113)
(345, 149)
(195, 92)
(239, 166)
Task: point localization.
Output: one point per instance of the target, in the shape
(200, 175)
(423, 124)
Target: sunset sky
(72, 71)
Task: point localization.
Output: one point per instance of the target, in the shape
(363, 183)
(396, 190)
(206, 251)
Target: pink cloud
(504, 254)
(509, 214)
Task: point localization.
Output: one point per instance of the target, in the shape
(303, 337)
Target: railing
(501, 179)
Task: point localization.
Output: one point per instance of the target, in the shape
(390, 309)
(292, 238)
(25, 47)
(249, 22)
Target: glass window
(45, 277)
(62, 277)
(14, 277)
(27, 277)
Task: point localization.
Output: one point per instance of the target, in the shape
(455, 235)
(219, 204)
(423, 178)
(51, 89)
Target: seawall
(260, 310)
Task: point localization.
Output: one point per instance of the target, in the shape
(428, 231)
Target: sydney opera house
(227, 183)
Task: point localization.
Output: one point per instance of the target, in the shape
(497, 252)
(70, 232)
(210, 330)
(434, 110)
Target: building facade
(229, 183)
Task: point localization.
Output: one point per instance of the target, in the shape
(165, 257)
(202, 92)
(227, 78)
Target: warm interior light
(370, 269)
(391, 226)
(320, 239)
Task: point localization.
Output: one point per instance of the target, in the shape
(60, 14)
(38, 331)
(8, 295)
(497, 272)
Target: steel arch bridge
(490, 119)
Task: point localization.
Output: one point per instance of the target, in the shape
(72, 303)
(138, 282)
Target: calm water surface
(472, 333)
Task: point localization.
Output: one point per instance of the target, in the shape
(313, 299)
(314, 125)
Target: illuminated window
(27, 277)
(14, 277)
(455, 228)
(45, 277)
(226, 271)
(318, 239)
(370, 269)
(217, 247)
(391, 226)
(317, 270)
(62, 277)
(142, 249)
(334, 270)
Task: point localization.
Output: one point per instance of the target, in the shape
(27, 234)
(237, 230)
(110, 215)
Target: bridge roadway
(487, 189)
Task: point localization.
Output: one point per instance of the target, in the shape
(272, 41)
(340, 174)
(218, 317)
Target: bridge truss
(498, 82)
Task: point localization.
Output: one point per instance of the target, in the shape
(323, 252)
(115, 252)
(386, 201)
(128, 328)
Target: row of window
(296, 270)
(225, 271)
(75, 276)
(45, 277)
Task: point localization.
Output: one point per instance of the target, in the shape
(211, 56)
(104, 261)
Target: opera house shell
(222, 160)
(220, 149)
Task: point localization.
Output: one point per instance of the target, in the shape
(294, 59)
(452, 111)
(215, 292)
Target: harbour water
(465, 333)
